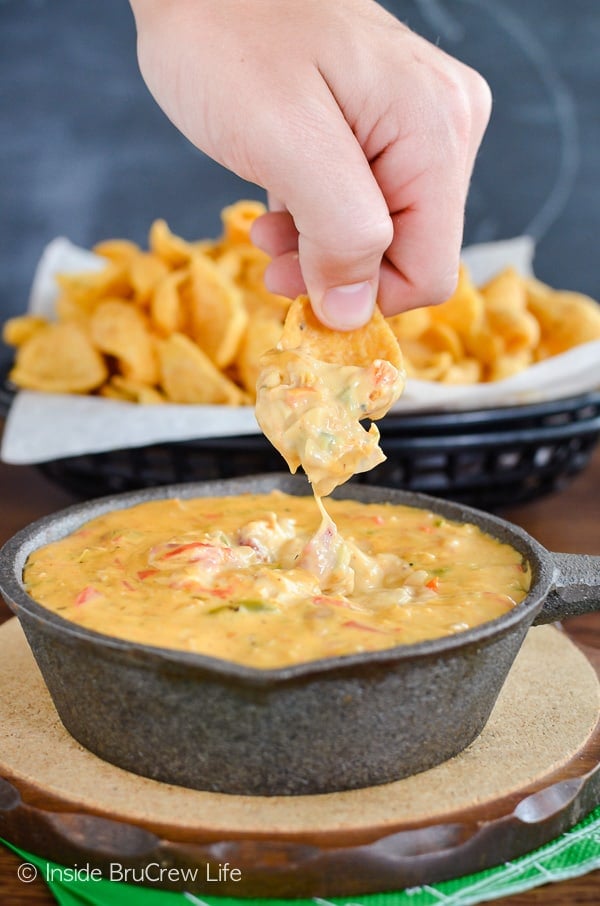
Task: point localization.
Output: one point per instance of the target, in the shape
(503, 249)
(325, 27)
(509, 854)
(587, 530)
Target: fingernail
(348, 307)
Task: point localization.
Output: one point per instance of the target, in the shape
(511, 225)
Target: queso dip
(260, 580)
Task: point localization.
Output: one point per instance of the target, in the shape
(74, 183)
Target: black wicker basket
(490, 458)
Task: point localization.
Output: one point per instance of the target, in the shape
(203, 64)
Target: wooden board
(532, 773)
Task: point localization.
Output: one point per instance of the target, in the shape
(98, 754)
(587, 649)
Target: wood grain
(567, 521)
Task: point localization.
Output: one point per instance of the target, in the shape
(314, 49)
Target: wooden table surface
(567, 521)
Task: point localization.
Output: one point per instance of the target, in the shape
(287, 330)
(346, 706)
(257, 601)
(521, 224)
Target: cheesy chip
(316, 388)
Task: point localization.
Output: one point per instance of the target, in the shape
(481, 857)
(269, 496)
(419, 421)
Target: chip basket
(487, 458)
(490, 458)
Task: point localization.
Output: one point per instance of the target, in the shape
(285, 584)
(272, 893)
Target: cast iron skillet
(321, 726)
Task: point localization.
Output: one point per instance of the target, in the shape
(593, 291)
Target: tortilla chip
(167, 310)
(173, 250)
(121, 330)
(17, 331)
(238, 219)
(262, 334)
(189, 376)
(216, 311)
(362, 347)
(131, 391)
(59, 358)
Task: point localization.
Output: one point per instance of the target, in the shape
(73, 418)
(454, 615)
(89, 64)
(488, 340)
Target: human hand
(363, 134)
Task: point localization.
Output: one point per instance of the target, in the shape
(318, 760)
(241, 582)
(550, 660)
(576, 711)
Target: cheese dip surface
(262, 580)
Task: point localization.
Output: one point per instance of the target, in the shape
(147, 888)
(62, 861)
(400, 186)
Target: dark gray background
(86, 153)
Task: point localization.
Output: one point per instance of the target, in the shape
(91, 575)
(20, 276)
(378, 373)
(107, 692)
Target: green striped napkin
(574, 853)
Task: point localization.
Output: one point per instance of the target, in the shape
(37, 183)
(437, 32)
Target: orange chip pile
(187, 322)
(491, 332)
(181, 322)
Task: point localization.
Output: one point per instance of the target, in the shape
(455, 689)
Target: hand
(363, 134)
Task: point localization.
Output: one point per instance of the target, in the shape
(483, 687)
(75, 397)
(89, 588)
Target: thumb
(344, 227)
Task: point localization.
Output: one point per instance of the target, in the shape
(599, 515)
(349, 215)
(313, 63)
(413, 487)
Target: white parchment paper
(43, 426)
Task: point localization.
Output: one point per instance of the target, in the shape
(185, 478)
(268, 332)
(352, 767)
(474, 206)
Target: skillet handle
(576, 588)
